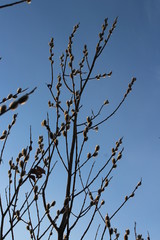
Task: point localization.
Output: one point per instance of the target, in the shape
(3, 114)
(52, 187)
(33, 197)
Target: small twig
(97, 232)
(12, 4)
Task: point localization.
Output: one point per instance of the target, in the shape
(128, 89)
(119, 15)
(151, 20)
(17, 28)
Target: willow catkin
(22, 100)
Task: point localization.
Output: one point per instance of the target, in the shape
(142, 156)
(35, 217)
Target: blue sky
(133, 50)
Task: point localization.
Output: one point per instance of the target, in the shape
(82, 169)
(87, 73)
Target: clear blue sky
(133, 50)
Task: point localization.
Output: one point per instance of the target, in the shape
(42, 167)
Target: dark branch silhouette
(26, 195)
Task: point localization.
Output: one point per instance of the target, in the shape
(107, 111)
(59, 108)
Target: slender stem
(12, 4)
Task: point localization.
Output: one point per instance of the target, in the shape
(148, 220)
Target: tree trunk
(60, 235)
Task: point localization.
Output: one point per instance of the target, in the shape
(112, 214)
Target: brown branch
(12, 4)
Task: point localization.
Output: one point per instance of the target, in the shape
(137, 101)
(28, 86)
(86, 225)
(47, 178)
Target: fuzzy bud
(102, 202)
(113, 160)
(132, 194)
(53, 203)
(13, 105)
(97, 148)
(23, 99)
(43, 123)
(127, 231)
(119, 156)
(19, 90)
(125, 237)
(106, 102)
(3, 109)
(106, 182)
(95, 154)
(21, 164)
(24, 152)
